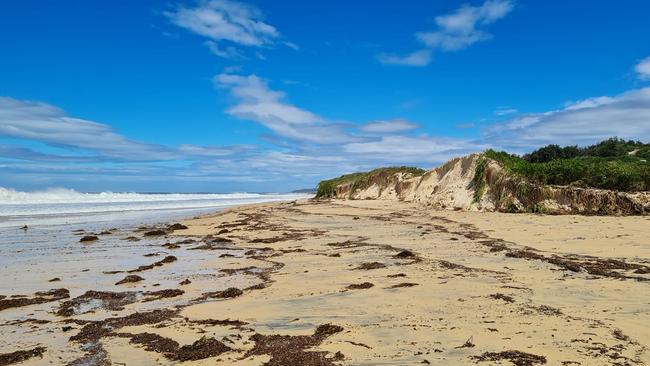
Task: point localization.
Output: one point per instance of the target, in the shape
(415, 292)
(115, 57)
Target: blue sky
(221, 95)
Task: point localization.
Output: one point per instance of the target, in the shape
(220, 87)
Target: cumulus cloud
(643, 69)
(456, 31)
(462, 28)
(582, 122)
(227, 24)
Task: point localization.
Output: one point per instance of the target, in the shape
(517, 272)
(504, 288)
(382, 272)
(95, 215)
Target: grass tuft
(358, 181)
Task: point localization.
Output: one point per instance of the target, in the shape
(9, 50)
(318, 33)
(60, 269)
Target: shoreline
(359, 282)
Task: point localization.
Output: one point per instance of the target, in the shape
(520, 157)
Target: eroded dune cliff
(476, 182)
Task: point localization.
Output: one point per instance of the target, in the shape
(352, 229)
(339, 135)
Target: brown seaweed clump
(516, 357)
(97, 299)
(292, 350)
(370, 265)
(130, 279)
(20, 356)
(39, 298)
(166, 260)
(360, 286)
(201, 349)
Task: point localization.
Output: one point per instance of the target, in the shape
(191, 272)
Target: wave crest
(65, 195)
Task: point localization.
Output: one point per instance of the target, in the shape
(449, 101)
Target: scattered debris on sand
(500, 296)
(469, 343)
(605, 267)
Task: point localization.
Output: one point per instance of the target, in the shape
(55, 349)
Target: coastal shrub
(479, 179)
(358, 181)
(612, 164)
(610, 148)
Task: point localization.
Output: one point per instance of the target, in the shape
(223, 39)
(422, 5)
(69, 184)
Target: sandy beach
(360, 282)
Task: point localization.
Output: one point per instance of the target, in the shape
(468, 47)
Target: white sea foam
(62, 201)
(64, 195)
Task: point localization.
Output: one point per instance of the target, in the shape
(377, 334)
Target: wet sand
(350, 283)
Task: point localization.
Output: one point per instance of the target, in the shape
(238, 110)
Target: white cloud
(588, 103)
(503, 111)
(460, 29)
(226, 52)
(48, 124)
(292, 45)
(94, 152)
(417, 58)
(583, 122)
(643, 69)
(390, 126)
(257, 102)
(412, 150)
(456, 31)
(227, 21)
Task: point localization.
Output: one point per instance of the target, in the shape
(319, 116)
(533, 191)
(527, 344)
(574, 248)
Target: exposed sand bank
(397, 284)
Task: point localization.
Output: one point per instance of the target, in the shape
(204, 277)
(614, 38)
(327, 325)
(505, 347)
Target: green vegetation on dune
(327, 188)
(479, 179)
(611, 164)
(610, 148)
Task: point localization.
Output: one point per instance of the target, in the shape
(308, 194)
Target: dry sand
(395, 285)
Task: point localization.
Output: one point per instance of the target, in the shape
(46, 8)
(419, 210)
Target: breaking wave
(67, 201)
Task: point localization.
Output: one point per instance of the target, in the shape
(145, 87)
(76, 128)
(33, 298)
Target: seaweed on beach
(99, 299)
(370, 265)
(130, 279)
(360, 286)
(38, 298)
(518, 358)
(287, 350)
(166, 260)
(500, 296)
(203, 348)
(95, 330)
(161, 294)
(21, 355)
(405, 284)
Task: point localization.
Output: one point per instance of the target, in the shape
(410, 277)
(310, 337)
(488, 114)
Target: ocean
(56, 218)
(59, 206)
